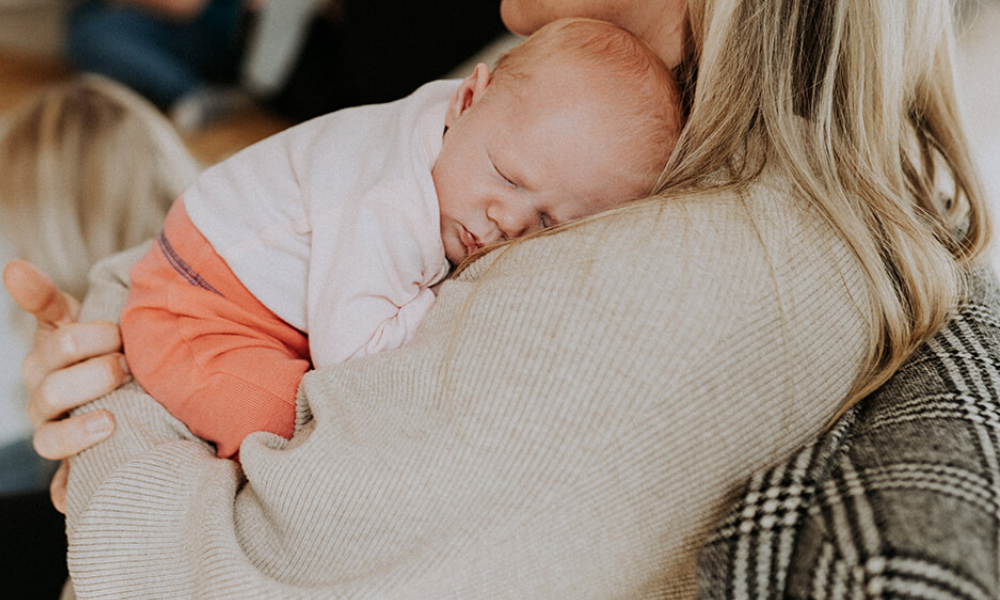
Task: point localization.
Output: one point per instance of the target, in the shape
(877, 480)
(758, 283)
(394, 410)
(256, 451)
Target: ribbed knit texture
(572, 418)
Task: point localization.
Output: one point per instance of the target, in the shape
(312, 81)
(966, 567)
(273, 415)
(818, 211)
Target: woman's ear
(468, 93)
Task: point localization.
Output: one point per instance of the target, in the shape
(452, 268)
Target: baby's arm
(373, 294)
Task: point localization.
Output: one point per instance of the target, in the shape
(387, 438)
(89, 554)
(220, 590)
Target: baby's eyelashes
(502, 174)
(545, 221)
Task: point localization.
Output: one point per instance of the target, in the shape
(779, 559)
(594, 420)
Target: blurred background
(979, 81)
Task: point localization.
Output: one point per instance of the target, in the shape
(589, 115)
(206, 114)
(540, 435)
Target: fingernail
(98, 423)
(125, 368)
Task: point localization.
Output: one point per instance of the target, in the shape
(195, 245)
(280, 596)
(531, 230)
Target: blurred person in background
(87, 168)
(201, 60)
(183, 55)
(353, 52)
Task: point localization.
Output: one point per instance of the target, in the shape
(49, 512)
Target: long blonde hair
(853, 100)
(87, 168)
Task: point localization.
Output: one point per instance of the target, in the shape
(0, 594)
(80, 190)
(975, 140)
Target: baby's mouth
(469, 240)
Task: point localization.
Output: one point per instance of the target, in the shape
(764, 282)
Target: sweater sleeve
(571, 418)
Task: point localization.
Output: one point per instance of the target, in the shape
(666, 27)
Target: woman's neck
(665, 29)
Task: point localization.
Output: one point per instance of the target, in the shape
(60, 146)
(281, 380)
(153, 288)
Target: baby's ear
(468, 93)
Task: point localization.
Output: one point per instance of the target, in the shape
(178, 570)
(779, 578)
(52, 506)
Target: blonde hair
(87, 169)
(854, 101)
(636, 78)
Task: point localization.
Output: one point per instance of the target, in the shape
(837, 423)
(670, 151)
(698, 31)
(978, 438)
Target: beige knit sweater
(574, 414)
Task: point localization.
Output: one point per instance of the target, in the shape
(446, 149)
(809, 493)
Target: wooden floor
(22, 75)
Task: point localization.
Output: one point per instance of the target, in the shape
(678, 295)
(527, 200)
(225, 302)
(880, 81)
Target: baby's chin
(455, 252)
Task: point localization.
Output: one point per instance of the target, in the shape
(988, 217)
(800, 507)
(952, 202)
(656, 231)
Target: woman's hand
(69, 364)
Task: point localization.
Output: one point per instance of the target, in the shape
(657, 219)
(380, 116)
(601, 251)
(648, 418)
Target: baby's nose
(518, 220)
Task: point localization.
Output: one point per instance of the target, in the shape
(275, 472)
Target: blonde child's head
(579, 118)
(87, 168)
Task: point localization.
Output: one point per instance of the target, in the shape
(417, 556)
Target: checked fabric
(899, 499)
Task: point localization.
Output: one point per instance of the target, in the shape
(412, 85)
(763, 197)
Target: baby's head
(579, 118)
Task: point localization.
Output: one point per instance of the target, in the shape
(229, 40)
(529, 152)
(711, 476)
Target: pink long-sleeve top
(334, 224)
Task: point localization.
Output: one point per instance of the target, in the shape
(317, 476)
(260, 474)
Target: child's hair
(616, 63)
(87, 169)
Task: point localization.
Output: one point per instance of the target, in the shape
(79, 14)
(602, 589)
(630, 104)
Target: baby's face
(513, 164)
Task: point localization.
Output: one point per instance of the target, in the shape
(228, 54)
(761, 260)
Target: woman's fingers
(35, 293)
(57, 440)
(64, 389)
(57, 489)
(59, 347)
(69, 364)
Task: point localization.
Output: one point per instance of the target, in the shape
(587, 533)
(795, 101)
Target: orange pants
(205, 347)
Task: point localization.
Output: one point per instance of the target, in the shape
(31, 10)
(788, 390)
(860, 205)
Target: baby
(322, 243)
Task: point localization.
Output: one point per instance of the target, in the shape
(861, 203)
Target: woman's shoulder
(761, 231)
(725, 284)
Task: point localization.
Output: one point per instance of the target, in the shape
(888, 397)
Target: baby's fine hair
(625, 64)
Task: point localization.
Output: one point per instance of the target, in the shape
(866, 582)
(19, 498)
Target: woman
(183, 55)
(577, 408)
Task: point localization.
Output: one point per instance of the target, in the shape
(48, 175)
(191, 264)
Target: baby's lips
(470, 240)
